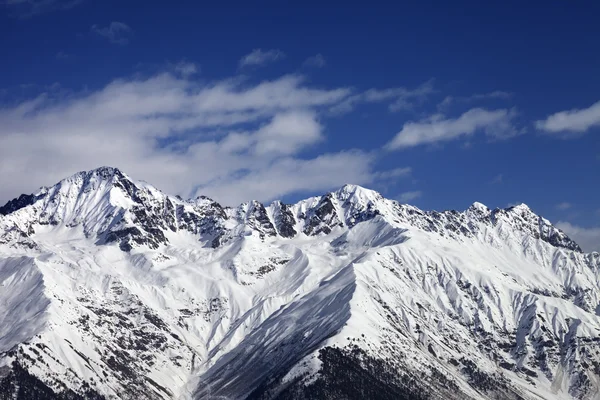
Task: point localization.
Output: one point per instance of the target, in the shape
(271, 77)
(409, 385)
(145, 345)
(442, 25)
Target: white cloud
(260, 57)
(287, 133)
(437, 128)
(576, 121)
(284, 93)
(587, 238)
(563, 206)
(116, 32)
(233, 140)
(400, 98)
(317, 61)
(407, 197)
(291, 175)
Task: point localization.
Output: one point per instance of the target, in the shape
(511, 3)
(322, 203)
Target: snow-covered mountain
(111, 289)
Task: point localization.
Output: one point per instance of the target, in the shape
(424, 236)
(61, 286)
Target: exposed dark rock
(284, 220)
(495, 386)
(22, 201)
(323, 218)
(350, 373)
(362, 215)
(257, 219)
(19, 384)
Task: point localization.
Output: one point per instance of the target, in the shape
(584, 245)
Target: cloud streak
(571, 123)
(495, 95)
(258, 57)
(398, 98)
(437, 128)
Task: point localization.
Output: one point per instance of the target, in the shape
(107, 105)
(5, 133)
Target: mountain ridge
(348, 194)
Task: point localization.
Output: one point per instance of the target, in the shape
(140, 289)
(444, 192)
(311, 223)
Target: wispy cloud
(317, 61)
(563, 206)
(30, 8)
(571, 123)
(227, 139)
(399, 98)
(260, 57)
(495, 95)
(407, 197)
(587, 238)
(116, 32)
(393, 174)
(437, 128)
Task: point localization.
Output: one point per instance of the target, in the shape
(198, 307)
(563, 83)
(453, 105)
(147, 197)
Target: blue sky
(438, 104)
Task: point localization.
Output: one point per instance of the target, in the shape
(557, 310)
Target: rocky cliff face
(111, 289)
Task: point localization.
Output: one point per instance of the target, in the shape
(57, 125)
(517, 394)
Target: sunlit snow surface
(222, 300)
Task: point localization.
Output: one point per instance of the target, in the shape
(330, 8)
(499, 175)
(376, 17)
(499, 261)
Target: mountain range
(112, 289)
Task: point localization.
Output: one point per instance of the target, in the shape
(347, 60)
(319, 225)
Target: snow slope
(111, 289)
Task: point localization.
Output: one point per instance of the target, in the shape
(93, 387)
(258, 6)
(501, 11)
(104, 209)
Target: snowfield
(111, 289)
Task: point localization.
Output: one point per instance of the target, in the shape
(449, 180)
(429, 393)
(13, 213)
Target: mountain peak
(357, 192)
(81, 178)
(477, 206)
(103, 173)
(521, 207)
(106, 171)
